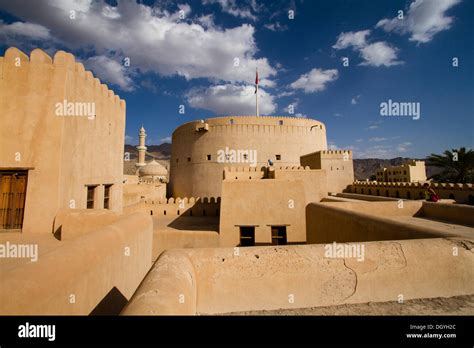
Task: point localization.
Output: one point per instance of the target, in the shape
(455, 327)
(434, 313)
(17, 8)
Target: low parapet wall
(192, 206)
(75, 277)
(72, 223)
(270, 278)
(461, 193)
(369, 221)
(169, 288)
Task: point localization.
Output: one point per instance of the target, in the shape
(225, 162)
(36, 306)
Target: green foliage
(453, 171)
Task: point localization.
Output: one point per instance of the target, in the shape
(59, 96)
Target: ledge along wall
(461, 193)
(112, 259)
(370, 221)
(215, 281)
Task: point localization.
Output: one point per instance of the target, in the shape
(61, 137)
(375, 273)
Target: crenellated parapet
(41, 61)
(447, 186)
(294, 168)
(183, 200)
(459, 192)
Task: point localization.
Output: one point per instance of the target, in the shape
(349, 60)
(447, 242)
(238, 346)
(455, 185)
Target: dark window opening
(451, 196)
(178, 212)
(204, 212)
(208, 157)
(189, 159)
(90, 196)
(247, 235)
(279, 235)
(278, 157)
(107, 196)
(397, 194)
(151, 212)
(386, 193)
(280, 122)
(378, 192)
(408, 195)
(164, 212)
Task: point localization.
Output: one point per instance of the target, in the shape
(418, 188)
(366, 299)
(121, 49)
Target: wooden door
(12, 198)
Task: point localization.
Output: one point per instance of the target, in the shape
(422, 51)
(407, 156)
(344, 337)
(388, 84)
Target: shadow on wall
(111, 304)
(195, 223)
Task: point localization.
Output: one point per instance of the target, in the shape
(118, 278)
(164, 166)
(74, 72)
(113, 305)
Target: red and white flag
(256, 81)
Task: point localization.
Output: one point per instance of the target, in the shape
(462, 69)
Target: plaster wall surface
(337, 164)
(282, 277)
(64, 153)
(461, 193)
(193, 173)
(262, 203)
(89, 267)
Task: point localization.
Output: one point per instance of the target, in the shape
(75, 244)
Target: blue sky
(185, 53)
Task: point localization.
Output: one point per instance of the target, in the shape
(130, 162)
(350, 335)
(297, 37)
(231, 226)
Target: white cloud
(231, 99)
(315, 81)
(231, 7)
(285, 94)
(351, 39)
(359, 140)
(372, 127)
(404, 147)
(379, 54)
(30, 30)
(277, 26)
(423, 20)
(377, 139)
(128, 139)
(355, 99)
(110, 71)
(154, 39)
(165, 140)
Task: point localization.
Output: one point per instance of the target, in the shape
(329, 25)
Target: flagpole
(256, 93)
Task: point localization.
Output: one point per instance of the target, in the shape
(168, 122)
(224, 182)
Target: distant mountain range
(363, 168)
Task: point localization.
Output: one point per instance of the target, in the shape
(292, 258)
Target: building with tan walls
(412, 171)
(201, 149)
(61, 140)
(338, 165)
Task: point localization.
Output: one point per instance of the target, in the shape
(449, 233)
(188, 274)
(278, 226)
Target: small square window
(208, 157)
(280, 122)
(189, 159)
(278, 157)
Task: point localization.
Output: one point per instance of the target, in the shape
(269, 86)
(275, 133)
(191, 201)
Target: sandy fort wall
(337, 164)
(195, 169)
(62, 154)
(270, 278)
(461, 193)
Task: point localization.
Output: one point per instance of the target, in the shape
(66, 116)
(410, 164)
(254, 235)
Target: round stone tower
(201, 149)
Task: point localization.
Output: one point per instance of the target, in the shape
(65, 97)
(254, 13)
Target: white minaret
(141, 148)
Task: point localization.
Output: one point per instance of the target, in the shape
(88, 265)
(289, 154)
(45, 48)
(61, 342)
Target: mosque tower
(141, 148)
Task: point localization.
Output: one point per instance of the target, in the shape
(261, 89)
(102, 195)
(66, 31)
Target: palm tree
(457, 166)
